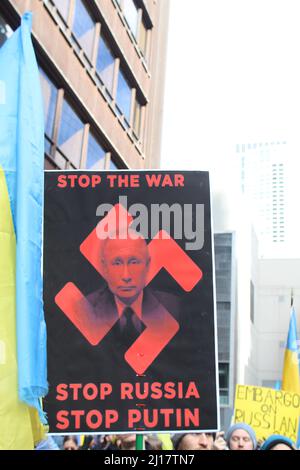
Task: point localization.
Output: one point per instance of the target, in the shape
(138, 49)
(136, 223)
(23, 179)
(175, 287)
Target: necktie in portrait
(131, 326)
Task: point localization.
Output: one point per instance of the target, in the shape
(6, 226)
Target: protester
(278, 442)
(70, 443)
(199, 441)
(153, 442)
(104, 442)
(128, 442)
(241, 436)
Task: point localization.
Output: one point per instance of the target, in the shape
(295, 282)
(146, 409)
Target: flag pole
(292, 298)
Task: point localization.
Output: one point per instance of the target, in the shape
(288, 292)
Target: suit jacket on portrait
(96, 314)
(102, 303)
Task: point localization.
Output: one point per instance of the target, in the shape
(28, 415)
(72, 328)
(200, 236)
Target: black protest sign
(129, 303)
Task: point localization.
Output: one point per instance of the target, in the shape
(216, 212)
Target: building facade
(225, 271)
(266, 183)
(277, 281)
(253, 304)
(102, 74)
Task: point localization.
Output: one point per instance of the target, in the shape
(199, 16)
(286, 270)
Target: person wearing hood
(278, 442)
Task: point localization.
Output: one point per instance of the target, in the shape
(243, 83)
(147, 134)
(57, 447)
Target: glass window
(84, 27)
(5, 31)
(105, 64)
(223, 374)
(112, 166)
(224, 382)
(63, 7)
(131, 15)
(95, 155)
(124, 96)
(143, 38)
(224, 397)
(70, 134)
(137, 118)
(49, 92)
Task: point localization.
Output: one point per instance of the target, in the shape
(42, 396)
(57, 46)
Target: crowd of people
(240, 436)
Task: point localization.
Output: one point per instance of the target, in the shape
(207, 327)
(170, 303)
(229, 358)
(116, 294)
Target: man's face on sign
(126, 263)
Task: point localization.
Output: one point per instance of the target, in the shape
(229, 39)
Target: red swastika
(165, 253)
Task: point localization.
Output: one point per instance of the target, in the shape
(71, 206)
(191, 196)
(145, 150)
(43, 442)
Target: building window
(143, 38)
(110, 78)
(105, 64)
(64, 134)
(224, 382)
(49, 92)
(123, 96)
(63, 6)
(70, 135)
(5, 31)
(131, 15)
(135, 22)
(95, 155)
(84, 28)
(137, 119)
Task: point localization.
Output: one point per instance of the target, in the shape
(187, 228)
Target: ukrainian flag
(22, 326)
(291, 374)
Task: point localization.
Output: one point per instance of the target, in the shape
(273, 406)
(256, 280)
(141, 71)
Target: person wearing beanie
(241, 436)
(278, 442)
(198, 441)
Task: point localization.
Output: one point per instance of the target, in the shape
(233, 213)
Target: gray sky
(233, 76)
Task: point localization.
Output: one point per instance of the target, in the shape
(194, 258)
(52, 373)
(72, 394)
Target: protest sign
(129, 302)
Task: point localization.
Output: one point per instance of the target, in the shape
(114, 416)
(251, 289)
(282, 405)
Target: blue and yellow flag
(291, 374)
(22, 326)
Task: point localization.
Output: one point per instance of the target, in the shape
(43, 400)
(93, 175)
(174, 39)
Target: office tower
(265, 182)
